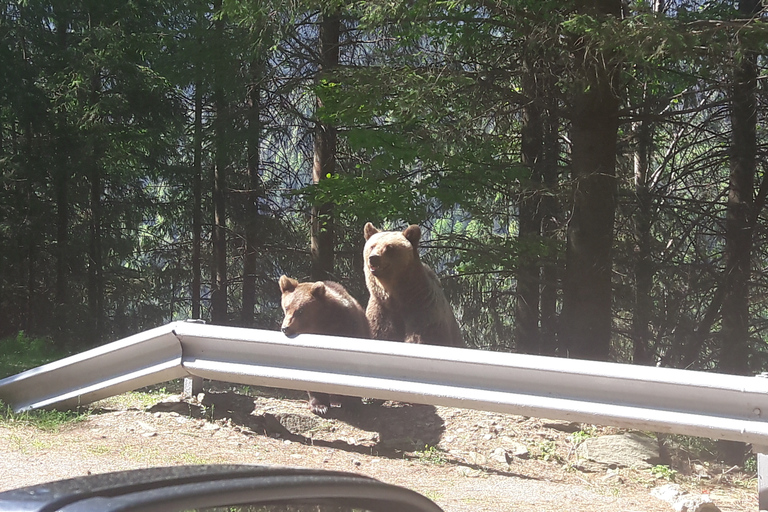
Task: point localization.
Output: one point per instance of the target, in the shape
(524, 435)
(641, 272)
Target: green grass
(431, 455)
(663, 472)
(134, 399)
(21, 352)
(42, 419)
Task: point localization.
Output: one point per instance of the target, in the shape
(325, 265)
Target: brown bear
(327, 308)
(407, 302)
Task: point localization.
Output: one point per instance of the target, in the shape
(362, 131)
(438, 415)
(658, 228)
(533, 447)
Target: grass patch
(663, 472)
(432, 455)
(42, 419)
(99, 449)
(21, 352)
(133, 400)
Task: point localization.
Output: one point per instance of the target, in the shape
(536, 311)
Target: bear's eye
(298, 312)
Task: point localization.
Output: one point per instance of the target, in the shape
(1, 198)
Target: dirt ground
(463, 460)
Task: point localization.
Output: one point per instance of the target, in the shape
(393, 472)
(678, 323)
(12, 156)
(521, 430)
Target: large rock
(682, 501)
(621, 450)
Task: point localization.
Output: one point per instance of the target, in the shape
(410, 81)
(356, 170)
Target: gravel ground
(463, 460)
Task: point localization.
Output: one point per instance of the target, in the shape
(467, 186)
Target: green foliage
(432, 455)
(548, 451)
(98, 152)
(580, 436)
(23, 352)
(663, 472)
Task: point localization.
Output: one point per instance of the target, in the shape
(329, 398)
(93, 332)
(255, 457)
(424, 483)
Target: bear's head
(389, 254)
(303, 305)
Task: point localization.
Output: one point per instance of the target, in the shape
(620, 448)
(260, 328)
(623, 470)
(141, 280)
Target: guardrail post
(193, 386)
(761, 453)
(762, 476)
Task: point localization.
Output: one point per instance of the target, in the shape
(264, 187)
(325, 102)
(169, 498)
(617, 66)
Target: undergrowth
(22, 352)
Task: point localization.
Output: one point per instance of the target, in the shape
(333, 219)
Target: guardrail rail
(667, 400)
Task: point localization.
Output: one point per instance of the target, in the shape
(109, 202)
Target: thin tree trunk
(529, 233)
(95, 274)
(197, 200)
(219, 282)
(95, 264)
(321, 231)
(739, 228)
(61, 184)
(587, 282)
(252, 200)
(549, 228)
(641, 317)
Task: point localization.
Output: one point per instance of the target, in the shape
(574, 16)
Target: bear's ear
(287, 285)
(413, 234)
(369, 230)
(318, 290)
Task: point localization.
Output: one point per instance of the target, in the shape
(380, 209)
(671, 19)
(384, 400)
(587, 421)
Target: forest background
(590, 176)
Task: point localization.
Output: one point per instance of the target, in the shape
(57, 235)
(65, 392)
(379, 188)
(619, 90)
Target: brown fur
(407, 302)
(323, 307)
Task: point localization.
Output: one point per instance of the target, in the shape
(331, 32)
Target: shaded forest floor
(463, 460)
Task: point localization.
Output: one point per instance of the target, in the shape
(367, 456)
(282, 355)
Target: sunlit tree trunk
(197, 200)
(529, 222)
(252, 199)
(322, 231)
(219, 283)
(550, 226)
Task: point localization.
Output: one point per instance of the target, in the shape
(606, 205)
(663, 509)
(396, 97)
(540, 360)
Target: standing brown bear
(407, 302)
(326, 308)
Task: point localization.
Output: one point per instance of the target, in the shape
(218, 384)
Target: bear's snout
(288, 331)
(374, 260)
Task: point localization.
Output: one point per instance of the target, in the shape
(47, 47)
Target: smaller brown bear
(323, 307)
(407, 302)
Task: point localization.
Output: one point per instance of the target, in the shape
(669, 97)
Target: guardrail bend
(685, 402)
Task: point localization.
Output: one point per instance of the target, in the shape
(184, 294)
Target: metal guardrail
(648, 398)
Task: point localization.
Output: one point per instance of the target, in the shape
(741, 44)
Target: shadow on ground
(394, 430)
(389, 428)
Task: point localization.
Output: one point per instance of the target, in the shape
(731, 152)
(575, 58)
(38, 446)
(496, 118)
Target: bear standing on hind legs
(407, 302)
(326, 308)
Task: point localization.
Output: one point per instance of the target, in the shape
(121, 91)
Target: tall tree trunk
(739, 227)
(321, 231)
(219, 281)
(529, 222)
(95, 274)
(734, 355)
(61, 178)
(643, 307)
(95, 264)
(549, 227)
(61, 186)
(594, 128)
(197, 200)
(252, 199)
